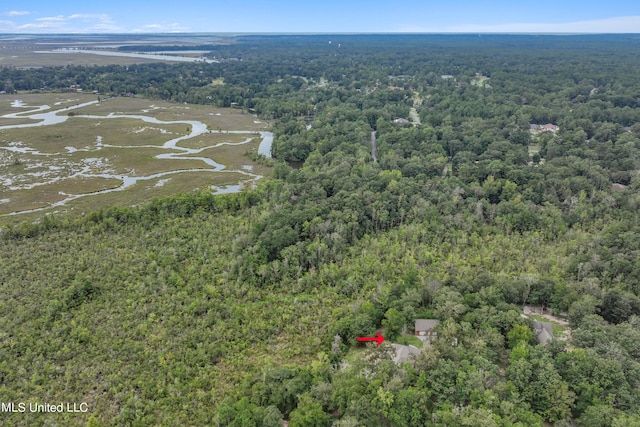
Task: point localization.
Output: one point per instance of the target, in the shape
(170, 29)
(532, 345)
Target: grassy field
(44, 165)
(481, 81)
(558, 329)
(409, 339)
(533, 149)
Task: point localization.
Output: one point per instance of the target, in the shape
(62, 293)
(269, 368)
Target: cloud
(58, 18)
(620, 24)
(16, 13)
(98, 16)
(82, 23)
(75, 23)
(162, 28)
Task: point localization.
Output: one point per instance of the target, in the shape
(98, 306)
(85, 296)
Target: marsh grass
(142, 161)
(232, 156)
(33, 100)
(211, 139)
(10, 122)
(44, 195)
(54, 159)
(215, 118)
(30, 59)
(144, 191)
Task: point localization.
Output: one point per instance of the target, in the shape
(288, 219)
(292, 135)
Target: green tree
(308, 414)
(519, 334)
(393, 323)
(539, 383)
(584, 306)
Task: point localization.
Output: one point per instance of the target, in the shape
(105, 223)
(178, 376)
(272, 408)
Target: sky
(327, 16)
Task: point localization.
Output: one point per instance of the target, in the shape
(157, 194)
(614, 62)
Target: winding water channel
(176, 152)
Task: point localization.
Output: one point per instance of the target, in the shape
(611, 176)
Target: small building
(618, 187)
(405, 353)
(401, 121)
(425, 329)
(543, 331)
(549, 127)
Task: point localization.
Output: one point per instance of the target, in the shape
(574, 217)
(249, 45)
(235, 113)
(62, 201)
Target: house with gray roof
(425, 329)
(543, 331)
(405, 353)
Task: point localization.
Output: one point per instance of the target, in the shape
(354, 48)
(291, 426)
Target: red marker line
(378, 338)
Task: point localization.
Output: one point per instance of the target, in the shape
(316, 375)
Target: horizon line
(242, 33)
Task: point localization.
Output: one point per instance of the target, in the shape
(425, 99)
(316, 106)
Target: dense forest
(457, 178)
